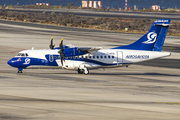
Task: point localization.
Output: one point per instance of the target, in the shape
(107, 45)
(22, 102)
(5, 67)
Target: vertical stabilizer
(153, 40)
(162, 35)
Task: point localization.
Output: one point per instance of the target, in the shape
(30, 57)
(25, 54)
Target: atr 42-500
(82, 59)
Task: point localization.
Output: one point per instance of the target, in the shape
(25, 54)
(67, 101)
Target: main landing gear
(19, 70)
(83, 70)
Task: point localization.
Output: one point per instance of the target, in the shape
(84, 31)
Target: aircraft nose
(10, 62)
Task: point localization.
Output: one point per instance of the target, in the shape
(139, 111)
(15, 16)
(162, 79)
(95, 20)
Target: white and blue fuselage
(148, 47)
(101, 59)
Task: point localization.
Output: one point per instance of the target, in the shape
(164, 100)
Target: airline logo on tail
(151, 38)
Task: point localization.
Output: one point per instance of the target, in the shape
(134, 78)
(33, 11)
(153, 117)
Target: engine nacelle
(73, 52)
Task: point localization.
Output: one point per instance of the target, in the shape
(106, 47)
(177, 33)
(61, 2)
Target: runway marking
(168, 47)
(173, 103)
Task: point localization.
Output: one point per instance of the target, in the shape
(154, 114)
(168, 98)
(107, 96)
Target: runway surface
(90, 13)
(146, 91)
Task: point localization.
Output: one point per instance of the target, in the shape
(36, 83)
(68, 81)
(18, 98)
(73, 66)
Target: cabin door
(119, 57)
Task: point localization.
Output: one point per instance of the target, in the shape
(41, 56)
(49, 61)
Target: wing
(89, 49)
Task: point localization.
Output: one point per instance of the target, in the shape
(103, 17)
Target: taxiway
(141, 92)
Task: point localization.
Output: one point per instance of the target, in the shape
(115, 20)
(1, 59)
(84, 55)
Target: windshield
(22, 54)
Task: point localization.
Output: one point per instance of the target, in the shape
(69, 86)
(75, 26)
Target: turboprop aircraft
(83, 59)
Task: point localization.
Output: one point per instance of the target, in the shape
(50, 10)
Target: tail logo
(151, 38)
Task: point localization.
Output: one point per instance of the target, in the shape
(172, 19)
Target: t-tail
(153, 40)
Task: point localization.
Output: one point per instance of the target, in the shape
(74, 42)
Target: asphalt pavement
(141, 92)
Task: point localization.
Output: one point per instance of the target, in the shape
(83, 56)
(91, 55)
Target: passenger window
(105, 57)
(27, 54)
(77, 57)
(59, 57)
(86, 57)
(22, 54)
(101, 57)
(70, 57)
(82, 57)
(109, 56)
(74, 57)
(89, 57)
(55, 57)
(94, 57)
(97, 57)
(113, 57)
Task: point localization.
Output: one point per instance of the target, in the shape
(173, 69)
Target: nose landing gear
(20, 70)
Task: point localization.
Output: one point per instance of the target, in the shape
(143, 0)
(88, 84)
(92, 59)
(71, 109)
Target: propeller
(61, 51)
(51, 46)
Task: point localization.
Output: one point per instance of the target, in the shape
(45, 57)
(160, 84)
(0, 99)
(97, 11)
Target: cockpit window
(22, 54)
(19, 54)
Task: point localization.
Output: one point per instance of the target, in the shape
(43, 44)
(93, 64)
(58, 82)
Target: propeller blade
(62, 59)
(62, 62)
(51, 46)
(61, 51)
(61, 44)
(62, 56)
